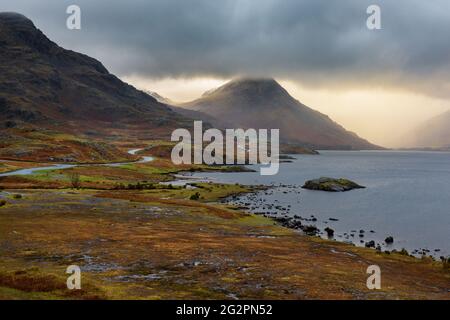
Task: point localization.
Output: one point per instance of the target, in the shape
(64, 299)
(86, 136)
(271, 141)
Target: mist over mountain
(263, 103)
(160, 98)
(44, 85)
(433, 133)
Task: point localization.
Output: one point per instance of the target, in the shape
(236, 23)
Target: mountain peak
(251, 87)
(263, 103)
(16, 22)
(254, 80)
(15, 29)
(13, 16)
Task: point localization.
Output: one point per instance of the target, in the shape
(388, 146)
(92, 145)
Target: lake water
(407, 196)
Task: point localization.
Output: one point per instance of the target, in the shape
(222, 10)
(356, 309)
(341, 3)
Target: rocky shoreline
(280, 214)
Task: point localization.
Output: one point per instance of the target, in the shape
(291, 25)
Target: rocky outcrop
(331, 184)
(389, 240)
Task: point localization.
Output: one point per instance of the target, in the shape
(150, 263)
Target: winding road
(59, 166)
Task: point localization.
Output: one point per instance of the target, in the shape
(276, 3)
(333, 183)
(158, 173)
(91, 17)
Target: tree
(75, 180)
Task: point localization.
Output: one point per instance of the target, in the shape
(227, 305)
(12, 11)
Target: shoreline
(218, 251)
(296, 222)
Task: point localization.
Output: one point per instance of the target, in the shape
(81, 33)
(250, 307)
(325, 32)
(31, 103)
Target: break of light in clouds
(177, 90)
(384, 117)
(376, 83)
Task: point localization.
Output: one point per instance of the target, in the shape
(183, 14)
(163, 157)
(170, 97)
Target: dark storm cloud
(315, 42)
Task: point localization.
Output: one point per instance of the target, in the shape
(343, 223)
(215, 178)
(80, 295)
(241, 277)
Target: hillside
(47, 88)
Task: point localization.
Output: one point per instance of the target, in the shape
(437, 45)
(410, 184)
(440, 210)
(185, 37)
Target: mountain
(60, 104)
(434, 133)
(191, 114)
(42, 83)
(263, 103)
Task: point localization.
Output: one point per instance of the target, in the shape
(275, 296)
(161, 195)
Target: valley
(91, 196)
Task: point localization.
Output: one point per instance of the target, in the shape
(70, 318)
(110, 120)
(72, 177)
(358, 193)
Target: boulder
(370, 244)
(389, 240)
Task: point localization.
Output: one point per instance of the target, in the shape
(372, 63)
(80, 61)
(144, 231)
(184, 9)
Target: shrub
(2, 203)
(195, 196)
(446, 262)
(17, 196)
(310, 230)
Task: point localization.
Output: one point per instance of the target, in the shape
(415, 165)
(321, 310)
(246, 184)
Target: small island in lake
(331, 184)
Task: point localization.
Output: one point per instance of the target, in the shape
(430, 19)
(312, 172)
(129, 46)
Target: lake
(407, 196)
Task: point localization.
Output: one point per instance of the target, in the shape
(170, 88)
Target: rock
(389, 240)
(331, 184)
(329, 231)
(310, 230)
(370, 244)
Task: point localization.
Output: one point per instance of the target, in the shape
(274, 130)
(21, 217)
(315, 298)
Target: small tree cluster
(195, 196)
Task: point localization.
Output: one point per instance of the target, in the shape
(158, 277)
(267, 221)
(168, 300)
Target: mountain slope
(434, 133)
(263, 103)
(160, 98)
(42, 83)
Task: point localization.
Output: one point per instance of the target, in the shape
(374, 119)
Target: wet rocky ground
(158, 244)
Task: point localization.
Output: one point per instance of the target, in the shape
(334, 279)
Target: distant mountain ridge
(433, 133)
(263, 103)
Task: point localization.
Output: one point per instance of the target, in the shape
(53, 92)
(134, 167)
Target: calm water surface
(407, 196)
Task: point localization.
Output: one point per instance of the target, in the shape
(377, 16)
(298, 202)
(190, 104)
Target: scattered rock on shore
(389, 240)
(329, 231)
(310, 230)
(331, 184)
(370, 244)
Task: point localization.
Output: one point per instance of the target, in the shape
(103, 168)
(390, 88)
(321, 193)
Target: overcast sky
(311, 44)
